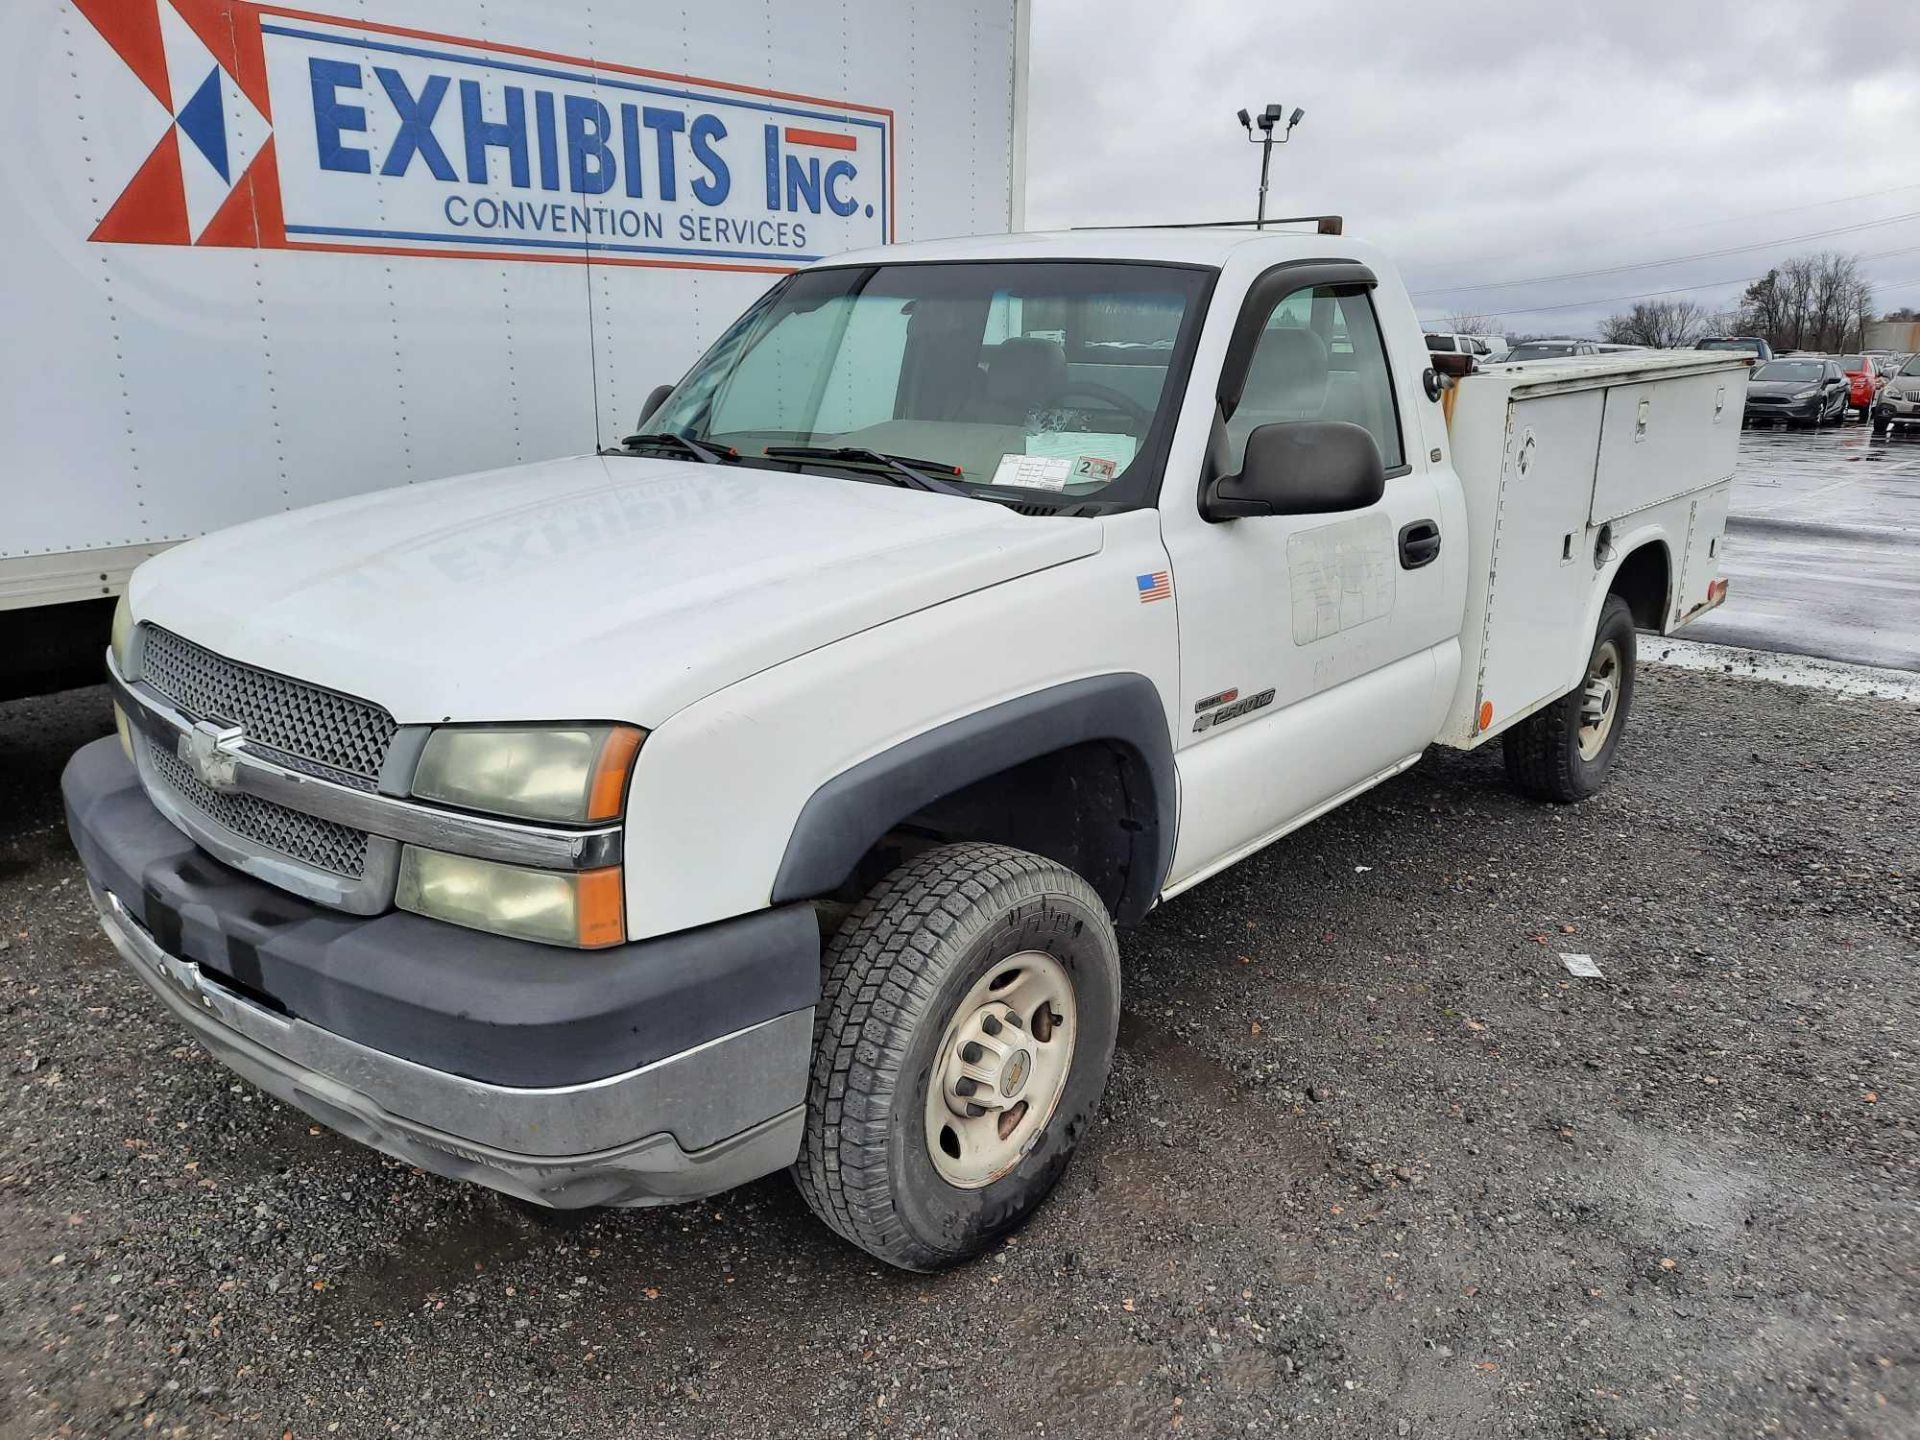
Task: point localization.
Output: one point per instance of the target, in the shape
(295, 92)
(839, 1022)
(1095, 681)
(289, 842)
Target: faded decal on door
(1341, 575)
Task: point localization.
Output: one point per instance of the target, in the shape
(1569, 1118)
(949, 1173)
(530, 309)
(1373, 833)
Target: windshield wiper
(911, 472)
(667, 440)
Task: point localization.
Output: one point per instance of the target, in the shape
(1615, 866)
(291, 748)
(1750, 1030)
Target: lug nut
(966, 1085)
(974, 1112)
(990, 1024)
(971, 1053)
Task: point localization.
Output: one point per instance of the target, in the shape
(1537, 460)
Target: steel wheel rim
(1600, 701)
(1000, 1069)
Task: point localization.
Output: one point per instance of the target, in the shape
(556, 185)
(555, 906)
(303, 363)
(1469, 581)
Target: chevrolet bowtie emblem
(212, 752)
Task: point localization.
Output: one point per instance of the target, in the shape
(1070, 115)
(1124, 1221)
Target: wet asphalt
(1372, 1162)
(1823, 546)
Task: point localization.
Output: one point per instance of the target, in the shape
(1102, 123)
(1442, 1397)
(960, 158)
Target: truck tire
(973, 970)
(1564, 752)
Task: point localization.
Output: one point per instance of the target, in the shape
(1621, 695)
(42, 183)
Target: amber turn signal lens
(608, 791)
(600, 908)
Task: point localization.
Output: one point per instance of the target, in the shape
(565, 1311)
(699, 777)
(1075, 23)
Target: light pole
(1266, 120)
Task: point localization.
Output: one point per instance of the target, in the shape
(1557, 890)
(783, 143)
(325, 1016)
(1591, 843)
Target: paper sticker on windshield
(1093, 468)
(1072, 444)
(1034, 472)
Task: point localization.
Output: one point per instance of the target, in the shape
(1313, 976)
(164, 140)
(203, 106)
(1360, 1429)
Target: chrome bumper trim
(407, 821)
(700, 1097)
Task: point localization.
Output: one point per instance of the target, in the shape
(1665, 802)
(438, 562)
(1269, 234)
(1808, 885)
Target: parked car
(1550, 350)
(1863, 381)
(1808, 391)
(1490, 348)
(1744, 344)
(620, 828)
(1899, 400)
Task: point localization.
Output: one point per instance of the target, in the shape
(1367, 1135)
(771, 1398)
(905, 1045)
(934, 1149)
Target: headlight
(570, 774)
(121, 638)
(1805, 394)
(582, 908)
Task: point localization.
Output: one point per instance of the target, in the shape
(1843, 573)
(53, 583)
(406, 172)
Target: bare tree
(1812, 302)
(1469, 324)
(1662, 324)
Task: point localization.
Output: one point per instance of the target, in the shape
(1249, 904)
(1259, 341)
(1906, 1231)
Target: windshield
(1912, 367)
(1540, 351)
(1803, 371)
(1853, 362)
(1048, 381)
(1752, 347)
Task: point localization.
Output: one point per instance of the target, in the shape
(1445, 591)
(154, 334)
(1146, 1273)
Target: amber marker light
(600, 908)
(607, 793)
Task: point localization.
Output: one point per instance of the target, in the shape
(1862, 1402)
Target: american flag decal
(1157, 586)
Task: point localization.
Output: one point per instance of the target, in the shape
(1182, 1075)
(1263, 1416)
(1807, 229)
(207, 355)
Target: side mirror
(655, 399)
(1300, 467)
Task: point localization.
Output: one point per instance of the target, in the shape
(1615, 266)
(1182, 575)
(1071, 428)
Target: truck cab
(767, 790)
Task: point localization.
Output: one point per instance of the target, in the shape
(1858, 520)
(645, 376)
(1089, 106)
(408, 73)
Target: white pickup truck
(766, 791)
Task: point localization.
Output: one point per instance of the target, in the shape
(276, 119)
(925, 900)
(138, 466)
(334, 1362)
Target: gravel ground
(1371, 1164)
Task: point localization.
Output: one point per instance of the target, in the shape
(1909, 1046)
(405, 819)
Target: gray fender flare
(844, 818)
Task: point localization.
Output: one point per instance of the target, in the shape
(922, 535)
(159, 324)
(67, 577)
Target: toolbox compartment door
(1541, 575)
(1657, 441)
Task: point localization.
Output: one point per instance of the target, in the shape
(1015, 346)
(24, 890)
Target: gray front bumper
(566, 1146)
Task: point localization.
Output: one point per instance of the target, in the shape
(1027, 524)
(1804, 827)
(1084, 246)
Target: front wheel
(961, 1046)
(1881, 424)
(1564, 752)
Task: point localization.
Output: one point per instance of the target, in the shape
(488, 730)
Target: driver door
(1311, 645)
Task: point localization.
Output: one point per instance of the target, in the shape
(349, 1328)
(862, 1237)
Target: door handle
(1419, 544)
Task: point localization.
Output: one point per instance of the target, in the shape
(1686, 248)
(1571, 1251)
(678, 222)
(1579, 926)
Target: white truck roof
(1179, 247)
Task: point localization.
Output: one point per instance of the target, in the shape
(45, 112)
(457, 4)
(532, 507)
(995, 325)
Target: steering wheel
(1114, 399)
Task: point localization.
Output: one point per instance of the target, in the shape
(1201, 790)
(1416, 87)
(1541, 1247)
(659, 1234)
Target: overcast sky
(1487, 141)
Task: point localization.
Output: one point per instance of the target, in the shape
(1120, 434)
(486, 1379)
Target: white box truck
(765, 791)
(260, 256)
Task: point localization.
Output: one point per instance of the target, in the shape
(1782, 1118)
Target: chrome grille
(304, 725)
(323, 844)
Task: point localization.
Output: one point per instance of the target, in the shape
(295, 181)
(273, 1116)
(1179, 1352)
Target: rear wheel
(960, 1049)
(1565, 752)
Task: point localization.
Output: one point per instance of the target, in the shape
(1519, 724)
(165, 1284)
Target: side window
(1320, 357)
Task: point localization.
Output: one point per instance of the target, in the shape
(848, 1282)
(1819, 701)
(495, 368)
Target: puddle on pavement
(392, 1283)
(1649, 1183)
(1178, 1102)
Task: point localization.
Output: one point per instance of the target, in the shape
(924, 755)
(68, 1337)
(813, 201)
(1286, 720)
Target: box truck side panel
(319, 250)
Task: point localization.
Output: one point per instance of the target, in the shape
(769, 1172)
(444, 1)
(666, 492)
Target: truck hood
(586, 588)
